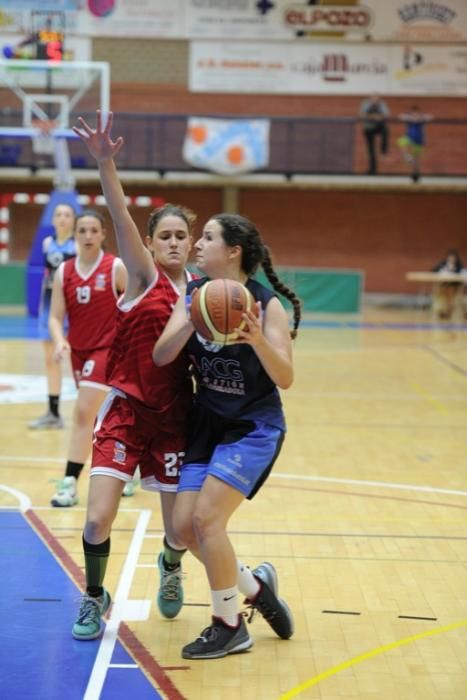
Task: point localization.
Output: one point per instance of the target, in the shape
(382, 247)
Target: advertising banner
(354, 20)
(333, 69)
(227, 146)
(41, 5)
(419, 21)
(327, 69)
(110, 18)
(145, 18)
(439, 21)
(428, 70)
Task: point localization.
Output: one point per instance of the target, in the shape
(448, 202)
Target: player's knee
(184, 534)
(83, 417)
(205, 525)
(97, 528)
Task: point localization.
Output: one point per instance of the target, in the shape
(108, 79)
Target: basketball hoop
(43, 141)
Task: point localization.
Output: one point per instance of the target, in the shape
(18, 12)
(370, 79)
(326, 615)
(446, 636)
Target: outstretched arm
(135, 255)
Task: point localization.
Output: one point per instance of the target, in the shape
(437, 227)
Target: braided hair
(238, 230)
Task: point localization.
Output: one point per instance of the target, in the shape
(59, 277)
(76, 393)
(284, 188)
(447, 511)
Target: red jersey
(130, 367)
(90, 302)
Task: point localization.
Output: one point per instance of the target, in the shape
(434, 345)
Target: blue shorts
(239, 452)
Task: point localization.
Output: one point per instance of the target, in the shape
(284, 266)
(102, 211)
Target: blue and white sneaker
(170, 595)
(275, 611)
(88, 623)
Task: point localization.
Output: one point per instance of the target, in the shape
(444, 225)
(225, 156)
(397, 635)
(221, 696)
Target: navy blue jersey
(55, 254)
(230, 379)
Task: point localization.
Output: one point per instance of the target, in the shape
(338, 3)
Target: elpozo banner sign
(328, 69)
(355, 20)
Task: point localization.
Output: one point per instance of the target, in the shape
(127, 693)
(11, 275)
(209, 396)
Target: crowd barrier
(301, 145)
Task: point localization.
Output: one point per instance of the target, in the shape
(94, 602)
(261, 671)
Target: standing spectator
(56, 249)
(413, 142)
(375, 114)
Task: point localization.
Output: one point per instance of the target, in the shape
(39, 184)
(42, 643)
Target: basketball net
(43, 142)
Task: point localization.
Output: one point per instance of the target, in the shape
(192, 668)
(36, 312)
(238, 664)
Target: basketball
(217, 308)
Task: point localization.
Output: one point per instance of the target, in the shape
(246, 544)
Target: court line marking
(429, 398)
(282, 475)
(130, 641)
(363, 482)
(445, 360)
(368, 655)
(294, 692)
(109, 638)
(4, 458)
(360, 396)
(23, 500)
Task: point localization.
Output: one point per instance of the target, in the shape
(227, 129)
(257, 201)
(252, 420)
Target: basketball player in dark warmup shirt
(56, 249)
(236, 432)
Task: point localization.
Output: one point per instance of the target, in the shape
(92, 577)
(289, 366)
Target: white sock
(247, 584)
(225, 605)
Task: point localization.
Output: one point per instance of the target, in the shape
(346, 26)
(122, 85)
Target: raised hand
(99, 141)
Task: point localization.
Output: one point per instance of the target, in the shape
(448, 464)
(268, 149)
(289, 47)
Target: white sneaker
(66, 494)
(46, 422)
(130, 488)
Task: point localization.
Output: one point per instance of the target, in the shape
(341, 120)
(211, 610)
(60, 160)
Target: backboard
(52, 90)
(38, 99)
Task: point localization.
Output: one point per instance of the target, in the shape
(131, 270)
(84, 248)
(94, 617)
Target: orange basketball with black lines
(217, 308)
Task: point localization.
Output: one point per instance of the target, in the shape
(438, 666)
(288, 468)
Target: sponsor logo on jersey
(119, 453)
(100, 282)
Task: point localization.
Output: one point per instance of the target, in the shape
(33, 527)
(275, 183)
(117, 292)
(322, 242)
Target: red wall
(386, 232)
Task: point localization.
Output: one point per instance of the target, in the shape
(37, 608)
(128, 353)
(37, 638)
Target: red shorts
(89, 367)
(128, 434)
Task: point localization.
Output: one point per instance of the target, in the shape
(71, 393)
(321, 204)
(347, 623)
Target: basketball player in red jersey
(85, 289)
(142, 421)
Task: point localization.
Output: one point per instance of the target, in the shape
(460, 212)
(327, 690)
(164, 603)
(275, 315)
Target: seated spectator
(446, 294)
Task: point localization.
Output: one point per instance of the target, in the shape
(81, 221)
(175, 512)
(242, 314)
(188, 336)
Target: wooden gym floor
(364, 518)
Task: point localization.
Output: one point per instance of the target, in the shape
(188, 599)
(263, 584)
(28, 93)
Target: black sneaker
(218, 640)
(275, 611)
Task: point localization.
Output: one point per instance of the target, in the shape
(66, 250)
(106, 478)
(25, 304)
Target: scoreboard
(45, 41)
(49, 45)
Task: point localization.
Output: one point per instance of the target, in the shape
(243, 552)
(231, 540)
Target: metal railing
(302, 145)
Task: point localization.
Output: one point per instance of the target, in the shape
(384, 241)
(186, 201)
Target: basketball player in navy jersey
(236, 431)
(56, 249)
(143, 420)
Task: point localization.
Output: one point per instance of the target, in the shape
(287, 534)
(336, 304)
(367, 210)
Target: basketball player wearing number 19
(237, 426)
